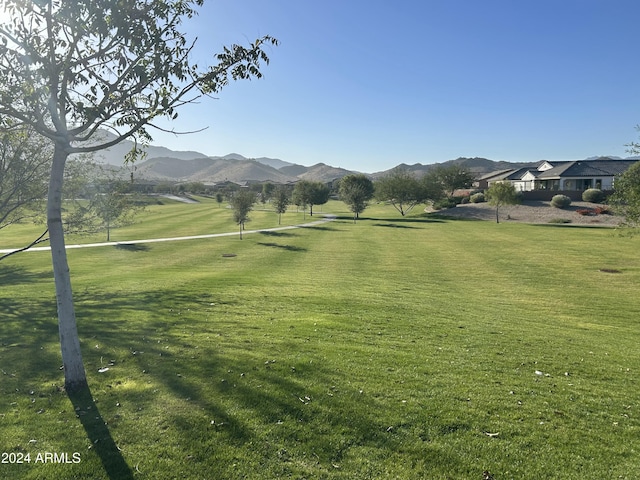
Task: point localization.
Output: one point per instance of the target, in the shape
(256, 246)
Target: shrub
(444, 203)
(593, 195)
(477, 198)
(464, 200)
(602, 210)
(560, 201)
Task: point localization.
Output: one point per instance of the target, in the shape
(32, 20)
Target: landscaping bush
(560, 201)
(593, 195)
(477, 198)
(444, 203)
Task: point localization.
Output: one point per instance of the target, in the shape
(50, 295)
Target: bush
(560, 201)
(444, 203)
(593, 195)
(477, 198)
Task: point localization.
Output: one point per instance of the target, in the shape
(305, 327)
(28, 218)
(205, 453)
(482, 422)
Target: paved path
(325, 219)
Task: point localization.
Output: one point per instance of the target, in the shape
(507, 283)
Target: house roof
(587, 168)
(521, 172)
(497, 174)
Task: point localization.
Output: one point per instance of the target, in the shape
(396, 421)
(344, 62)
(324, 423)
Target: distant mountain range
(165, 165)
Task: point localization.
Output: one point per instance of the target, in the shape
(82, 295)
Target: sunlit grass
(392, 348)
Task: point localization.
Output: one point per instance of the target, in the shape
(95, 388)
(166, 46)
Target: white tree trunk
(74, 374)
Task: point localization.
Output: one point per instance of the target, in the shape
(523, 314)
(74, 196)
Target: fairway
(395, 347)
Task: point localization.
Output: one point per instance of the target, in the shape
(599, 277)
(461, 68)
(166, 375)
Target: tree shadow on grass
(97, 432)
(290, 248)
(193, 346)
(412, 220)
(320, 227)
(14, 275)
(28, 329)
(277, 234)
(132, 247)
(392, 225)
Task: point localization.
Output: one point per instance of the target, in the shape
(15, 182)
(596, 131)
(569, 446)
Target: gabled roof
(588, 168)
(521, 172)
(497, 175)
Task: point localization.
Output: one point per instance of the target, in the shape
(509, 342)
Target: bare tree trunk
(74, 374)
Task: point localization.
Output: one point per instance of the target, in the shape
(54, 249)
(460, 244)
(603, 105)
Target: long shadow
(278, 234)
(406, 220)
(319, 227)
(132, 247)
(103, 444)
(290, 248)
(392, 225)
(572, 225)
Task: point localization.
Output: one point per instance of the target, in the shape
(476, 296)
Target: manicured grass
(392, 348)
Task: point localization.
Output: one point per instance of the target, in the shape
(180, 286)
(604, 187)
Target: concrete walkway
(325, 219)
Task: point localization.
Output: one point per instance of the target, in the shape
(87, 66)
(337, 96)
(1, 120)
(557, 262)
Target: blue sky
(369, 85)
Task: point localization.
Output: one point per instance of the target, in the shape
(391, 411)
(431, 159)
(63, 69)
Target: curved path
(326, 218)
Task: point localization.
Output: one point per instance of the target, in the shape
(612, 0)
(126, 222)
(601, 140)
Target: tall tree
(356, 191)
(626, 196)
(71, 68)
(502, 193)
(242, 203)
(281, 199)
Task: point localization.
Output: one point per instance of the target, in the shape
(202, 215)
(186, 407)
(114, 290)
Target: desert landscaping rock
(533, 212)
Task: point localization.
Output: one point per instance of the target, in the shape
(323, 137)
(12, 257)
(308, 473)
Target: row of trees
(400, 188)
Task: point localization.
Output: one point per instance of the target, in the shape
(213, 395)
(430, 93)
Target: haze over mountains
(164, 165)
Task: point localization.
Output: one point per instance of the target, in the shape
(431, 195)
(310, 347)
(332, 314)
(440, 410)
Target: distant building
(565, 176)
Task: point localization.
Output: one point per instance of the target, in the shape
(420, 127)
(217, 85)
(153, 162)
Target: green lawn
(393, 348)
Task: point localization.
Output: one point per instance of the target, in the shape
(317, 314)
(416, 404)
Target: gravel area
(533, 212)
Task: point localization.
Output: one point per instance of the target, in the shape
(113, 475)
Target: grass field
(392, 348)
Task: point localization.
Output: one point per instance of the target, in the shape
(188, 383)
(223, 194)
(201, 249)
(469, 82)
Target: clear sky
(366, 85)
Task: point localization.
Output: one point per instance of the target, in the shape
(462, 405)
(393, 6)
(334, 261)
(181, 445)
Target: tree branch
(38, 240)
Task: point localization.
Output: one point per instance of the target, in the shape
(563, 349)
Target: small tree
(267, 192)
(70, 69)
(308, 193)
(112, 203)
(626, 197)
(402, 189)
(281, 199)
(453, 177)
(356, 191)
(25, 160)
(219, 198)
(242, 203)
(502, 193)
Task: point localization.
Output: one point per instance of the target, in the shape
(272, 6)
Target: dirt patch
(533, 212)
